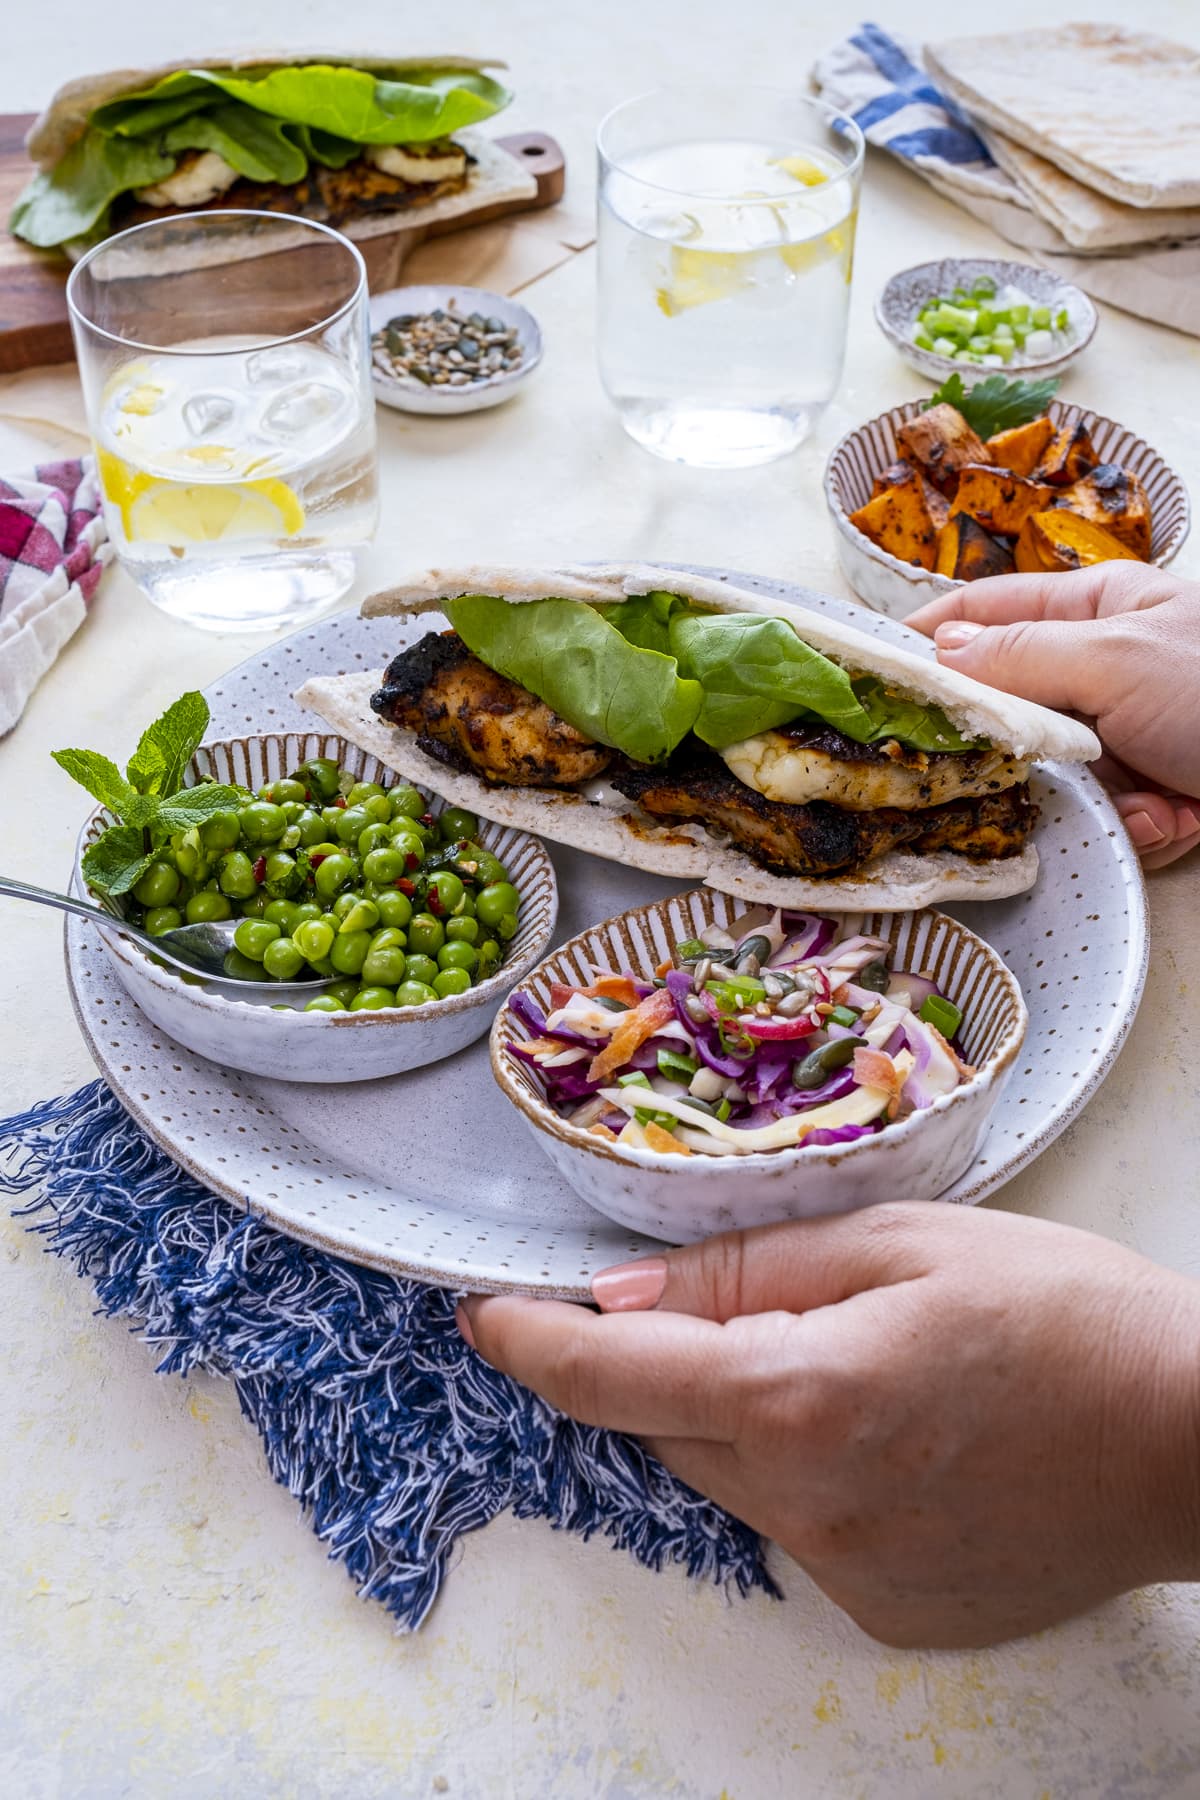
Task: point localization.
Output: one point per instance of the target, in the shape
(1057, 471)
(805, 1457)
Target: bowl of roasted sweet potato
(926, 496)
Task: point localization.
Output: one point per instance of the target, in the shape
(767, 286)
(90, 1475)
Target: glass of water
(726, 243)
(226, 368)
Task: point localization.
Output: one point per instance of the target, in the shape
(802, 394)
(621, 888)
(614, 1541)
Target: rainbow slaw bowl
(747, 1115)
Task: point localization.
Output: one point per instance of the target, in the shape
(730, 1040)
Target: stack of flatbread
(1099, 126)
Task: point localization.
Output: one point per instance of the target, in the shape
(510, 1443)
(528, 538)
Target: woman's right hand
(1118, 643)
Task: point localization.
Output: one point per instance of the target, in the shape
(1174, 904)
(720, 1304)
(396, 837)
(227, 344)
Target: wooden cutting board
(34, 326)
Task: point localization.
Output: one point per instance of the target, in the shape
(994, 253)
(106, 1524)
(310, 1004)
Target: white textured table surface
(168, 1625)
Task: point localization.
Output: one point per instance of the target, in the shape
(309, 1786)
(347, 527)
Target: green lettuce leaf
(78, 191)
(571, 657)
(756, 673)
(923, 727)
(139, 116)
(359, 104)
(255, 145)
(323, 147)
(646, 620)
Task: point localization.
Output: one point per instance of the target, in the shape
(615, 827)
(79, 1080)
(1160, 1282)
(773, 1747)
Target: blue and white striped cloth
(879, 81)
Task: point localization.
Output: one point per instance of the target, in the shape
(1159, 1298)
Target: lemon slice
(802, 169)
(176, 513)
(698, 277)
(117, 478)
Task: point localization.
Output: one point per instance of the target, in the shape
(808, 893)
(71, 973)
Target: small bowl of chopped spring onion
(445, 349)
(969, 313)
(695, 1066)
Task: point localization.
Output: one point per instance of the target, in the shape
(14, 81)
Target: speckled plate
(433, 1174)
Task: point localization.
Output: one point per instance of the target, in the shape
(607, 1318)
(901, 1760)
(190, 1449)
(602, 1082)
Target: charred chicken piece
(463, 713)
(818, 838)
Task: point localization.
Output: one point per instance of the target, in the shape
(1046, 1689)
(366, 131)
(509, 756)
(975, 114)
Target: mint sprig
(997, 404)
(149, 799)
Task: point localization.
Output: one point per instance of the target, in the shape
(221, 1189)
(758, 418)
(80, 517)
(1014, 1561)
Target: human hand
(965, 1426)
(1119, 643)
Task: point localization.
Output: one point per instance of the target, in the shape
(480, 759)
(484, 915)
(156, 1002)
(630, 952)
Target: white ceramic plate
(433, 1174)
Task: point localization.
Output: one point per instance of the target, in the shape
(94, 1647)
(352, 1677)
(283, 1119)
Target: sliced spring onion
(942, 1014)
(673, 1063)
(844, 1015)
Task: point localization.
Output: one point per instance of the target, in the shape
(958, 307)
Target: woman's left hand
(965, 1425)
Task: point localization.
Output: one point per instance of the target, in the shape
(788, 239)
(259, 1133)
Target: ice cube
(300, 408)
(205, 413)
(280, 363)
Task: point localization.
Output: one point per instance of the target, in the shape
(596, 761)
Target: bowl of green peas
(413, 919)
(974, 313)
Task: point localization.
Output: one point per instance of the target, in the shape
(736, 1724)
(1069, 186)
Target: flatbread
(65, 118)
(1117, 109)
(894, 883)
(898, 881)
(1087, 220)
(1022, 727)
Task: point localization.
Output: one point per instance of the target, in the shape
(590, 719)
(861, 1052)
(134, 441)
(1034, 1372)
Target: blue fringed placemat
(393, 1435)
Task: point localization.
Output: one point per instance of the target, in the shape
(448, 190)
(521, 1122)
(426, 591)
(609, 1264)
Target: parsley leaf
(166, 748)
(116, 860)
(997, 404)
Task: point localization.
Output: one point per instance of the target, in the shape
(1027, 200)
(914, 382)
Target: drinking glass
(726, 243)
(225, 361)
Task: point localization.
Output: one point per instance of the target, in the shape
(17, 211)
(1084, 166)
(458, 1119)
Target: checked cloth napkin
(53, 547)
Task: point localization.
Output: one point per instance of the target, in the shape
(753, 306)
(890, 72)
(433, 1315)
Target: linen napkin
(53, 547)
(880, 81)
(393, 1435)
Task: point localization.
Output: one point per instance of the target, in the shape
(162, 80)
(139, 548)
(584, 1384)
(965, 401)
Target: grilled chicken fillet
(817, 838)
(800, 762)
(463, 713)
(331, 196)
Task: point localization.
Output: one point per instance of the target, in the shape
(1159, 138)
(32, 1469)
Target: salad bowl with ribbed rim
(259, 1037)
(684, 1198)
(899, 588)
(434, 1174)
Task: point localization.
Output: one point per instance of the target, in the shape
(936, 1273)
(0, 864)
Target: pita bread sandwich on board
(690, 728)
(360, 143)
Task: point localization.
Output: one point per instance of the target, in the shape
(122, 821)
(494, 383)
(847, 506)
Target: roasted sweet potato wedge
(967, 553)
(1063, 540)
(903, 474)
(1022, 448)
(1068, 457)
(1027, 550)
(1115, 499)
(997, 499)
(901, 520)
(940, 441)
(895, 475)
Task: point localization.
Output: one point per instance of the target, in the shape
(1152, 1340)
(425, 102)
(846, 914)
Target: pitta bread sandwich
(359, 143)
(694, 729)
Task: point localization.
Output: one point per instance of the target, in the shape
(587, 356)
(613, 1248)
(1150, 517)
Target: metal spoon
(194, 949)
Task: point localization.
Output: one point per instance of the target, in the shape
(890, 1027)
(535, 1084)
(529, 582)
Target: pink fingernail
(956, 636)
(632, 1286)
(1144, 832)
(1188, 822)
(464, 1324)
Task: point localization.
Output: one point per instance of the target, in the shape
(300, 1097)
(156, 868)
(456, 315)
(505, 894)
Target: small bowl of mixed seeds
(450, 349)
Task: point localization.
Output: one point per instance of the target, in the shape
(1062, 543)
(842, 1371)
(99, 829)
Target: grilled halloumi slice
(198, 176)
(440, 160)
(891, 774)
